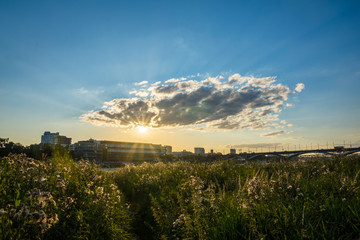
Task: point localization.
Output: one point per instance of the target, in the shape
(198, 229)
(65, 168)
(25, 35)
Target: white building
(55, 138)
(199, 151)
(168, 150)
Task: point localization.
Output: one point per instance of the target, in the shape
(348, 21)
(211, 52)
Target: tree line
(37, 151)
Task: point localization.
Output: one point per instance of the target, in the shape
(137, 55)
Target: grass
(63, 199)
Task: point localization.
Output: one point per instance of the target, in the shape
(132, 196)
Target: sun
(142, 129)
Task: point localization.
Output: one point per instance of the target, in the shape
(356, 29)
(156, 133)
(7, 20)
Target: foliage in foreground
(60, 199)
(316, 199)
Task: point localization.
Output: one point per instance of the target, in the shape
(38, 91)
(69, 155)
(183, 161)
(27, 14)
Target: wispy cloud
(84, 91)
(272, 134)
(299, 87)
(141, 83)
(237, 102)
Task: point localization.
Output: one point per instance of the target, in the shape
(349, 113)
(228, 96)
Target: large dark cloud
(235, 103)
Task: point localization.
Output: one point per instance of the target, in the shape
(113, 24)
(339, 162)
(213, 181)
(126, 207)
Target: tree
(7, 147)
(3, 142)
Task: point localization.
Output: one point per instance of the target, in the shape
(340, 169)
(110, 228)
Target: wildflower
(179, 221)
(99, 190)
(2, 212)
(107, 196)
(322, 208)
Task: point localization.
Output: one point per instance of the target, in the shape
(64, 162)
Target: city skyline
(211, 74)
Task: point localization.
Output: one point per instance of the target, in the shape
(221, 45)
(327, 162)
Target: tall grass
(61, 199)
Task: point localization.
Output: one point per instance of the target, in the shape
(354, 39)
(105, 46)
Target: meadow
(58, 198)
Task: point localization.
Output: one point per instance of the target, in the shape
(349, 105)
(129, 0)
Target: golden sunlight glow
(142, 129)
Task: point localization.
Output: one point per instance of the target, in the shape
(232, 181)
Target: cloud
(237, 102)
(141, 83)
(141, 93)
(87, 93)
(299, 87)
(272, 134)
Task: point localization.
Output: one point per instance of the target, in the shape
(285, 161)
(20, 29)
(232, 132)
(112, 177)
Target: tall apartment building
(54, 139)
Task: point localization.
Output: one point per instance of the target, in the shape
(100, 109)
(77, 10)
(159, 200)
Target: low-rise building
(184, 153)
(199, 151)
(114, 152)
(89, 149)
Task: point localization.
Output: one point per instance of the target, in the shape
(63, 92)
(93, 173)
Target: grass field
(62, 199)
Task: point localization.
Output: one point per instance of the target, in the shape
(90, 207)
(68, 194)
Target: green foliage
(226, 200)
(58, 198)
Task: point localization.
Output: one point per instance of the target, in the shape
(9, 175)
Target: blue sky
(60, 60)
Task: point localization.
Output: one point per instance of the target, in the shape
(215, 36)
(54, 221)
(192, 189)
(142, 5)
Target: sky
(215, 74)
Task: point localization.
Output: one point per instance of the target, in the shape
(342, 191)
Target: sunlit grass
(62, 199)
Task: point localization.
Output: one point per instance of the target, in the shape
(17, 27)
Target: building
(168, 150)
(199, 151)
(55, 139)
(90, 149)
(114, 152)
(232, 151)
(184, 153)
